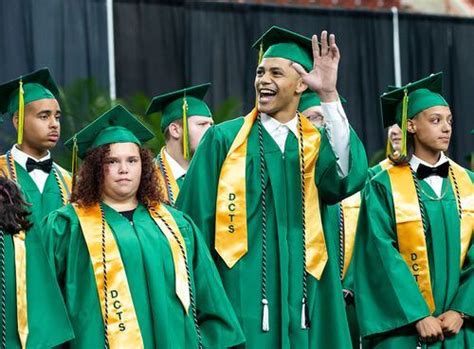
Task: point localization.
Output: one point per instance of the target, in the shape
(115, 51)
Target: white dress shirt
(435, 182)
(337, 128)
(38, 176)
(176, 169)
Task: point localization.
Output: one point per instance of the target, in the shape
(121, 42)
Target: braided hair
(13, 208)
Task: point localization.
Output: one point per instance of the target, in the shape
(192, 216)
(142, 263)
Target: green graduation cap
(15, 94)
(117, 125)
(403, 103)
(179, 105)
(283, 43)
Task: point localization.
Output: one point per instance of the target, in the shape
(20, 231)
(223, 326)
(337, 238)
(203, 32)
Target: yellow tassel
(388, 148)
(21, 113)
(74, 166)
(185, 130)
(404, 122)
(260, 58)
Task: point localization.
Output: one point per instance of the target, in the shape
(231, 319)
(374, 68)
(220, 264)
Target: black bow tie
(425, 171)
(44, 166)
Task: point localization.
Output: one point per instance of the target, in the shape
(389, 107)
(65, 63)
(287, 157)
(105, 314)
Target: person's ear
(411, 126)
(15, 120)
(175, 130)
(301, 86)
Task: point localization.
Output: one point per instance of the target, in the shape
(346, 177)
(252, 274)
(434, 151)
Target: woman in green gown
(135, 273)
(33, 314)
(414, 259)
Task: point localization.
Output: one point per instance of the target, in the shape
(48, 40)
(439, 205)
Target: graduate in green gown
(31, 102)
(339, 220)
(33, 314)
(244, 191)
(135, 273)
(414, 256)
(185, 117)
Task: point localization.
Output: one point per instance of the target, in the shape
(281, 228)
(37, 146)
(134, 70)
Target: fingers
(299, 69)
(315, 44)
(324, 43)
(333, 47)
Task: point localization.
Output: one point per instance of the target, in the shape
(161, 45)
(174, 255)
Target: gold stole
(7, 166)
(173, 185)
(123, 327)
(231, 210)
(410, 234)
(21, 296)
(350, 207)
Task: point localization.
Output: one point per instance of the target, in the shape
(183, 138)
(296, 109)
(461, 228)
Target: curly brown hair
(89, 180)
(13, 208)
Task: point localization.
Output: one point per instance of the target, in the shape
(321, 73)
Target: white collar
(21, 157)
(176, 168)
(271, 124)
(416, 161)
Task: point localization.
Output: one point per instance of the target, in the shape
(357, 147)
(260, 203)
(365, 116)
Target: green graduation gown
(243, 282)
(149, 267)
(388, 300)
(331, 221)
(48, 322)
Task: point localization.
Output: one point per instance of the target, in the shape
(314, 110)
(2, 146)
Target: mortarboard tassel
(388, 148)
(265, 316)
(404, 122)
(185, 130)
(21, 113)
(74, 165)
(260, 58)
(305, 324)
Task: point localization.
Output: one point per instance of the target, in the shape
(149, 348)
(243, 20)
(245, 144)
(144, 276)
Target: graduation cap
(403, 103)
(278, 42)
(117, 125)
(310, 99)
(15, 94)
(179, 105)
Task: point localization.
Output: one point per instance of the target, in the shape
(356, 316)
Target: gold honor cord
(21, 295)
(461, 182)
(168, 179)
(351, 207)
(181, 279)
(123, 330)
(231, 240)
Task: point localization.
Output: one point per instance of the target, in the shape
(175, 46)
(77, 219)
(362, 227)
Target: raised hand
(322, 79)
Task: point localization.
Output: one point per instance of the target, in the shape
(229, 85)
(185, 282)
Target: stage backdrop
(174, 45)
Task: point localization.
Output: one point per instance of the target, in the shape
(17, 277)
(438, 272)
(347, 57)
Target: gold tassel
(185, 130)
(21, 113)
(74, 165)
(265, 316)
(388, 148)
(260, 58)
(404, 122)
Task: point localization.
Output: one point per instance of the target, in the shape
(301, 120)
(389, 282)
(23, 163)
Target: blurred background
(104, 52)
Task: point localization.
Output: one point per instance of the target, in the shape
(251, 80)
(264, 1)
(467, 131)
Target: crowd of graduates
(265, 231)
